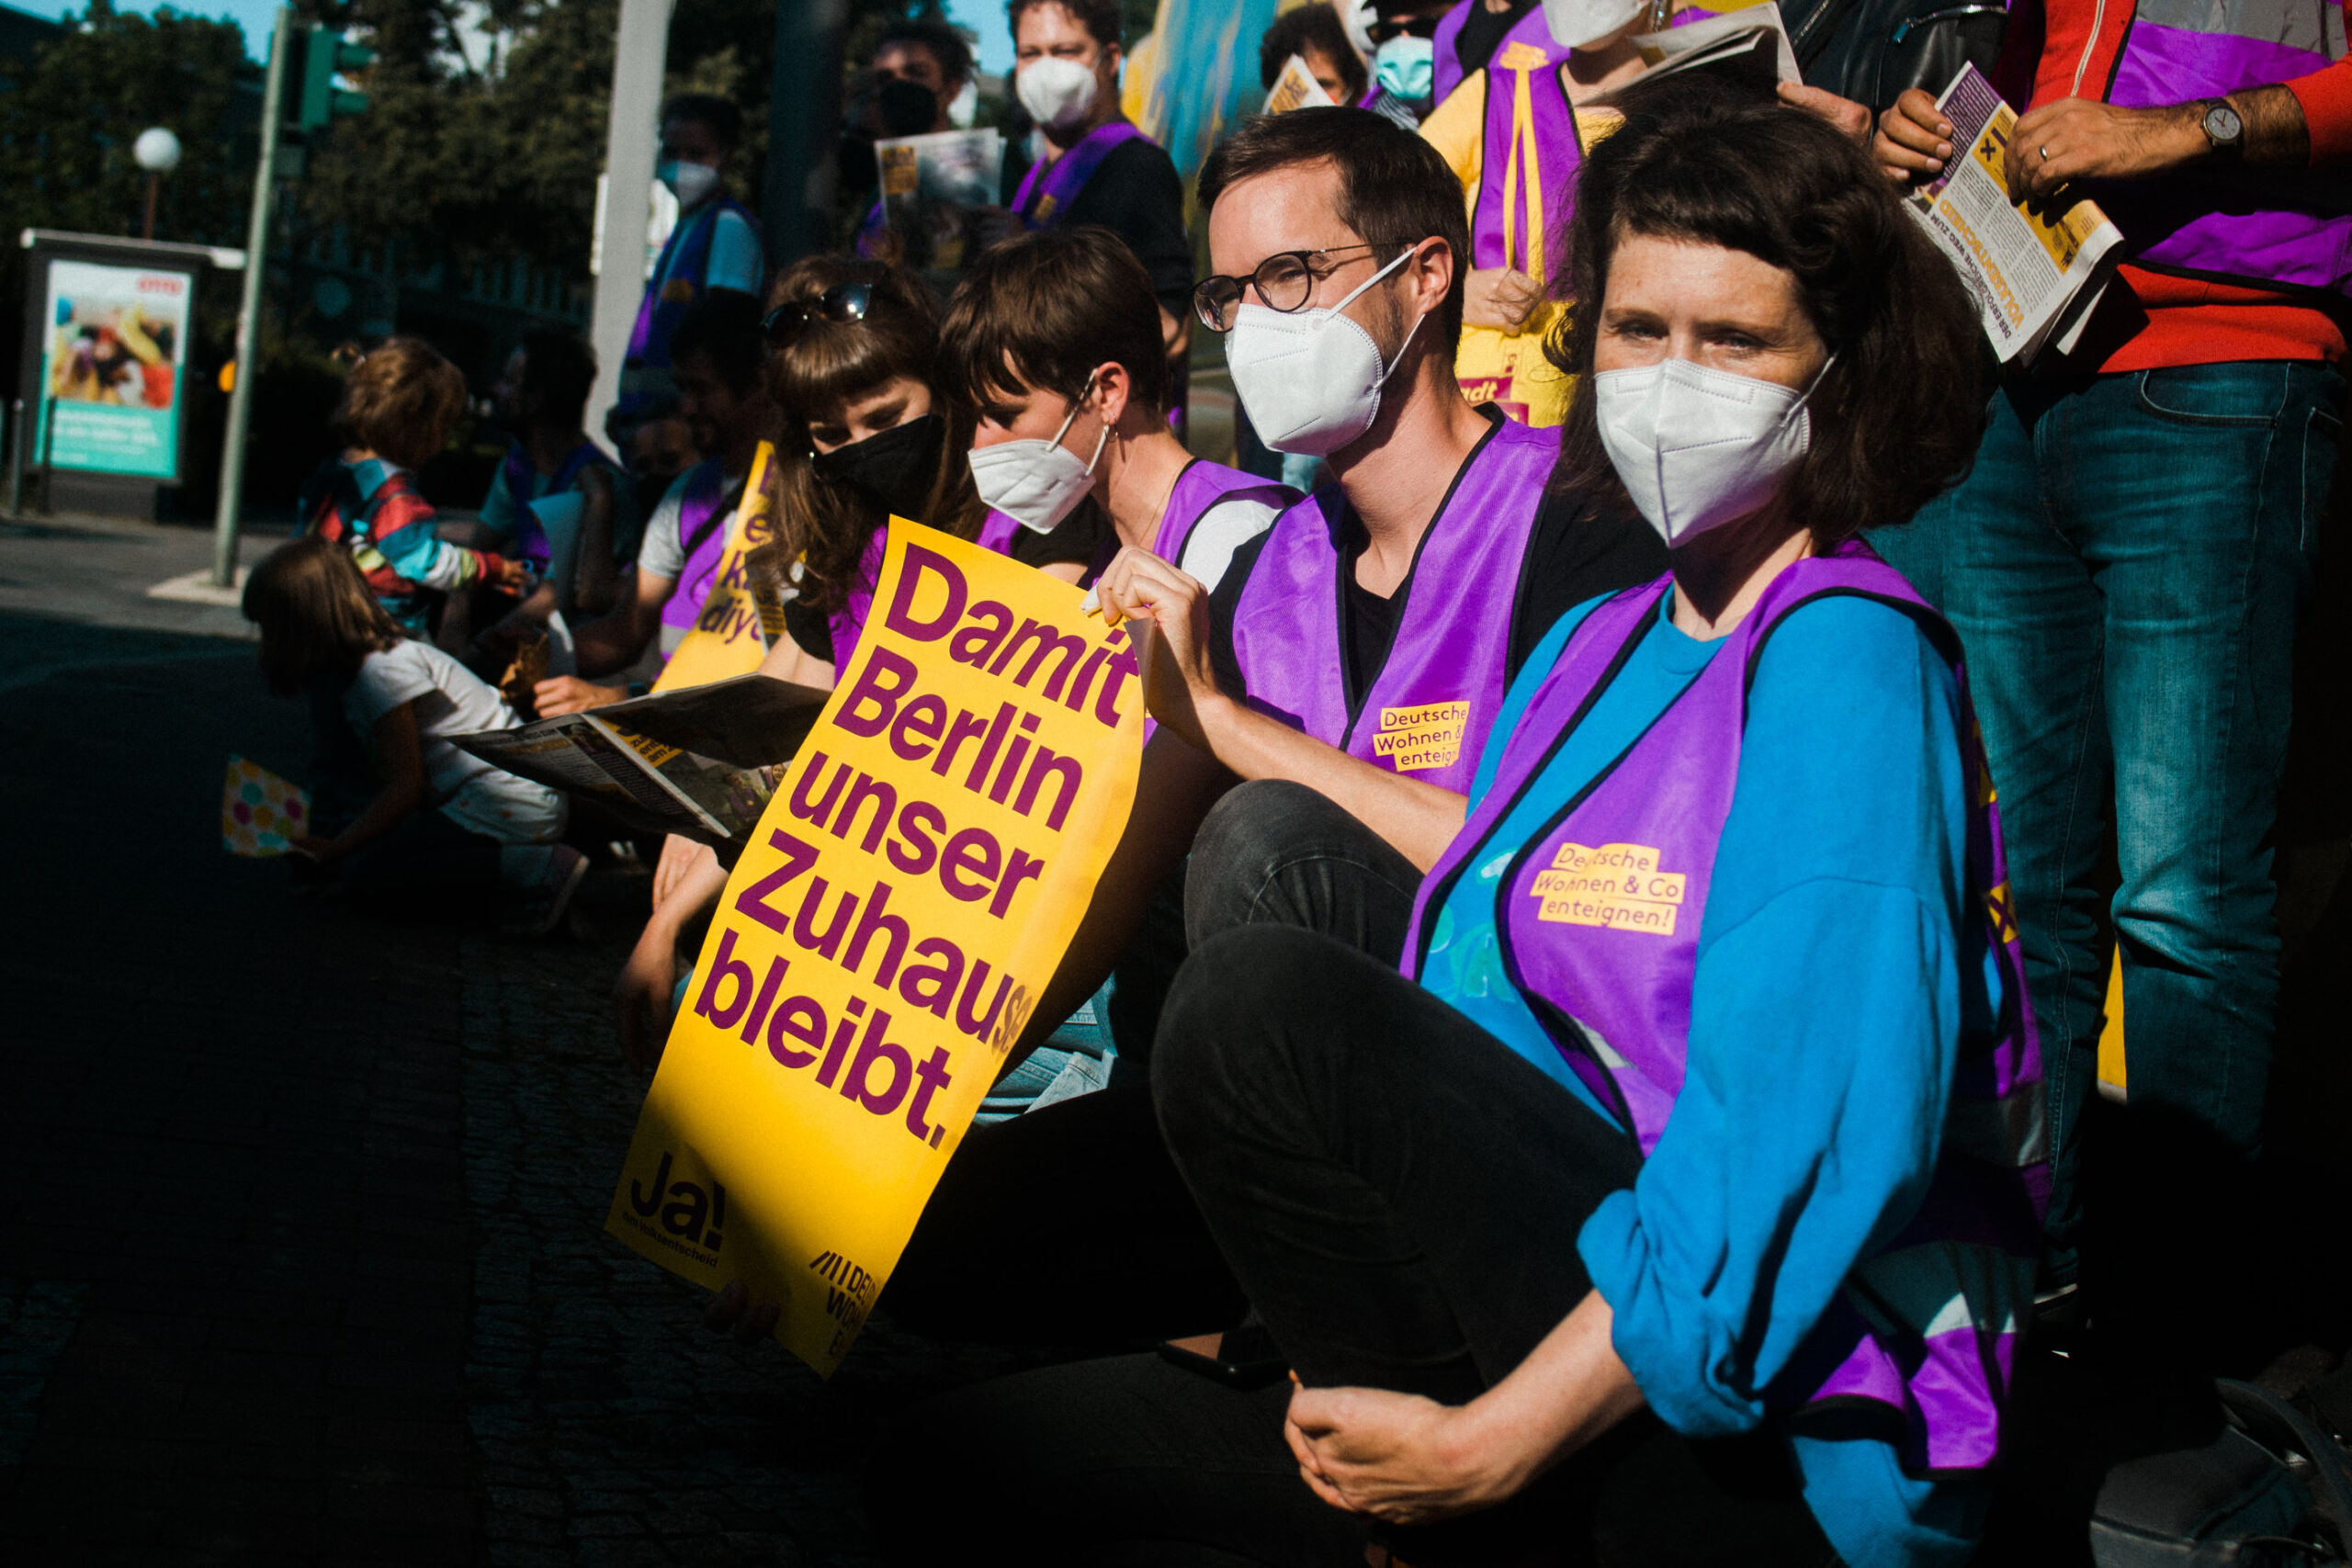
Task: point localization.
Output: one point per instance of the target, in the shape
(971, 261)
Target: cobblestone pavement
(302, 1256)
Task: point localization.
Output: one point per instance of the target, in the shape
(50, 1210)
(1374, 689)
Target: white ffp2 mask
(690, 183)
(1575, 23)
(1698, 448)
(1310, 379)
(1056, 92)
(1036, 482)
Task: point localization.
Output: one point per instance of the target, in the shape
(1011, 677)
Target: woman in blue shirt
(1677, 1203)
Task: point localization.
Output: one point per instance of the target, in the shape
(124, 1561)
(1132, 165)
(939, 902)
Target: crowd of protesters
(1646, 1117)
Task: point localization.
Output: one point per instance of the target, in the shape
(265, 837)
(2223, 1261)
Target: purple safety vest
(519, 472)
(1200, 489)
(686, 257)
(1427, 710)
(706, 487)
(2268, 229)
(1540, 186)
(1054, 187)
(1600, 933)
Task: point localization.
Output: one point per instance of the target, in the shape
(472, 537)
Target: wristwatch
(2223, 127)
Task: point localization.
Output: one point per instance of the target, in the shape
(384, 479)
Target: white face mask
(1575, 23)
(1311, 380)
(1696, 447)
(1056, 92)
(1036, 482)
(690, 183)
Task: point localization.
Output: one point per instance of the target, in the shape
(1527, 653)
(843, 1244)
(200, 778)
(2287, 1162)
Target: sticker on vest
(1996, 904)
(1521, 56)
(1428, 735)
(1618, 887)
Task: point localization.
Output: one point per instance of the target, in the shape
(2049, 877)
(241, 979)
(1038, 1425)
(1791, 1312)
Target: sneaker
(541, 910)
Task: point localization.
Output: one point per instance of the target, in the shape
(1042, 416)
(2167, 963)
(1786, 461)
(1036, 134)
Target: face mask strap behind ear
(1071, 418)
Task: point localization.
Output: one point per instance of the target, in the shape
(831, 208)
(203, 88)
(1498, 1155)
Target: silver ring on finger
(2044, 150)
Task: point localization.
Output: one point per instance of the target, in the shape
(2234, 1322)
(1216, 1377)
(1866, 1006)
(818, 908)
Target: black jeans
(1273, 853)
(1400, 1196)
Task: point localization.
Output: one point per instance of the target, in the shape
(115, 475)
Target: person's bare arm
(1407, 1460)
(787, 660)
(641, 994)
(402, 757)
(2077, 139)
(1171, 610)
(603, 646)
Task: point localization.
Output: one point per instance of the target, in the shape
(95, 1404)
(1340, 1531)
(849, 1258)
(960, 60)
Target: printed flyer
(909, 891)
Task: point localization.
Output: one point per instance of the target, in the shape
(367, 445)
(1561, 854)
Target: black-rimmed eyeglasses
(843, 302)
(1283, 281)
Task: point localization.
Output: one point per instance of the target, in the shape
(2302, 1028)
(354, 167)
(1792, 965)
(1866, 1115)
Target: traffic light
(325, 55)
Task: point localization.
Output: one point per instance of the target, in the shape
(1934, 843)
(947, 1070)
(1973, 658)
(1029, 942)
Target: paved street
(301, 1246)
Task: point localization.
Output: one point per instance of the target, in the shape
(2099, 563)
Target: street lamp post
(158, 153)
(240, 389)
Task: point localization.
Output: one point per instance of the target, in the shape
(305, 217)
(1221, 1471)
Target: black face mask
(893, 468)
(907, 108)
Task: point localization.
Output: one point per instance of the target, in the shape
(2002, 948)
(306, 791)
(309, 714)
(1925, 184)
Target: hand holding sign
(910, 889)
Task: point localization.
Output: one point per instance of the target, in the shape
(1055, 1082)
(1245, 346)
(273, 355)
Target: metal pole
(240, 394)
(804, 130)
(641, 48)
(45, 409)
(17, 459)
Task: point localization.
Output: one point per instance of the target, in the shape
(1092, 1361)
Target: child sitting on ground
(322, 630)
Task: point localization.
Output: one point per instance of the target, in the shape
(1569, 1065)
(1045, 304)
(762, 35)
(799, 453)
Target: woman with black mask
(866, 435)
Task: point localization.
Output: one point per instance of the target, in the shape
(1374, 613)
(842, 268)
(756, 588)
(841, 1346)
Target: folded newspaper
(1749, 46)
(931, 185)
(700, 762)
(2036, 273)
(1296, 88)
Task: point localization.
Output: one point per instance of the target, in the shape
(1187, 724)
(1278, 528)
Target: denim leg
(1275, 852)
(1996, 556)
(2190, 488)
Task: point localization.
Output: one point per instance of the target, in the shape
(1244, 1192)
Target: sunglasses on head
(843, 302)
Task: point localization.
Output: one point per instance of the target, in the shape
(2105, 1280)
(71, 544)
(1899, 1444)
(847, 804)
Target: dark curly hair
(1897, 415)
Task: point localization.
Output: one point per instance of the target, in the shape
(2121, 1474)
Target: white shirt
(451, 700)
(1222, 529)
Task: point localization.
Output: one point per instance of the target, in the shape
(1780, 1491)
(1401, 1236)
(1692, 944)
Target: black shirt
(1135, 192)
(1579, 551)
(1483, 31)
(1080, 537)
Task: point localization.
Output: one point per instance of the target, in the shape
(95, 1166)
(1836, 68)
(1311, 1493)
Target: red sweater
(2191, 321)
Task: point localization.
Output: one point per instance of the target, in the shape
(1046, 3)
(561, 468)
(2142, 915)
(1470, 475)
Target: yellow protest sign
(912, 886)
(736, 627)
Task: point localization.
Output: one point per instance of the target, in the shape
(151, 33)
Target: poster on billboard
(114, 347)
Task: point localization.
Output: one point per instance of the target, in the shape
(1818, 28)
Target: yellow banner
(882, 942)
(736, 627)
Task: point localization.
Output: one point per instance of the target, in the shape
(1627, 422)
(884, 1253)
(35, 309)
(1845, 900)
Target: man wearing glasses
(1351, 657)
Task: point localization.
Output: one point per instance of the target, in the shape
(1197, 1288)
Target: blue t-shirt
(1827, 1010)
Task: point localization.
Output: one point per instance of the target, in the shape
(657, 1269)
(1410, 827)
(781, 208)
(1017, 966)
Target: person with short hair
(714, 249)
(716, 355)
(1676, 1202)
(444, 819)
(1051, 345)
(542, 396)
(927, 53)
(398, 408)
(1357, 652)
(1096, 167)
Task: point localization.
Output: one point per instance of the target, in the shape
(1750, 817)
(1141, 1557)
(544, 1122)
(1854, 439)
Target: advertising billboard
(112, 354)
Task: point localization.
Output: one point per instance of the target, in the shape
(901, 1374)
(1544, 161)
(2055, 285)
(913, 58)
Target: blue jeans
(2123, 566)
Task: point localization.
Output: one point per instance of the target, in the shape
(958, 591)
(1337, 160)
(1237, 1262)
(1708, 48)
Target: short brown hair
(402, 400)
(1394, 188)
(1044, 310)
(319, 619)
(1897, 415)
(1100, 18)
